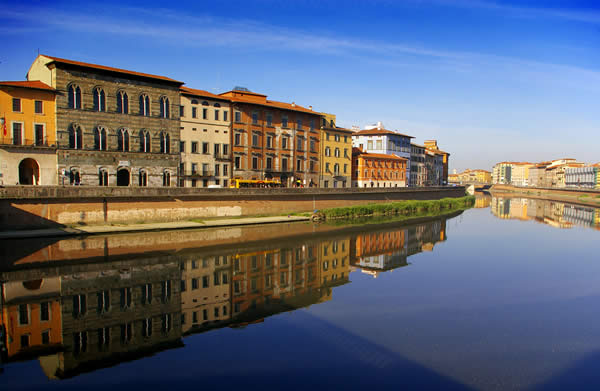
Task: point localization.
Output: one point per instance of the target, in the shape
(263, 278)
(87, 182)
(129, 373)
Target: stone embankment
(32, 207)
(587, 197)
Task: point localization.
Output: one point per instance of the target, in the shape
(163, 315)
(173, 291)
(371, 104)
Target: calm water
(504, 296)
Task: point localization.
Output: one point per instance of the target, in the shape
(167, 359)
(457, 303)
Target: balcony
(222, 156)
(19, 142)
(197, 173)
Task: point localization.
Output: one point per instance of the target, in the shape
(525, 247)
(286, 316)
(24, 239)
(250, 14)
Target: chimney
(310, 108)
(379, 125)
(293, 104)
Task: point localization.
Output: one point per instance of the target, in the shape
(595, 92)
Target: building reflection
(555, 214)
(77, 314)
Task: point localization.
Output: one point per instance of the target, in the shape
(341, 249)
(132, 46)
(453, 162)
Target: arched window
(99, 99)
(165, 143)
(194, 101)
(122, 103)
(143, 178)
(75, 137)
(167, 178)
(144, 141)
(164, 107)
(205, 103)
(74, 96)
(123, 140)
(103, 177)
(217, 105)
(74, 176)
(100, 138)
(144, 105)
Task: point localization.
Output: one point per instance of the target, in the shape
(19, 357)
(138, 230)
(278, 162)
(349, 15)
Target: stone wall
(32, 207)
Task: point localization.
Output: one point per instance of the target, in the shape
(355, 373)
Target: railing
(222, 156)
(197, 173)
(38, 142)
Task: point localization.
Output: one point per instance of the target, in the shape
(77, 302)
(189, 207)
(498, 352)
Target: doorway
(29, 172)
(123, 177)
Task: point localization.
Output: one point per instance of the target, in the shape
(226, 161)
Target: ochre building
(27, 133)
(336, 157)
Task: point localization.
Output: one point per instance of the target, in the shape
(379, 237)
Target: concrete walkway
(105, 229)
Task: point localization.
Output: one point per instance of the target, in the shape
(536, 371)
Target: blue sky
(490, 80)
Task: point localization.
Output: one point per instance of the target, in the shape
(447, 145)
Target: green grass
(410, 208)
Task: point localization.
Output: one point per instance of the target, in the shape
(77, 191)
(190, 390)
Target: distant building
(378, 140)
(418, 170)
(585, 176)
(27, 133)
(432, 146)
(377, 170)
(336, 157)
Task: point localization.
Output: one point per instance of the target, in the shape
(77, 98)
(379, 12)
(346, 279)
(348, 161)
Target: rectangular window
(254, 163)
(39, 134)
(237, 140)
(195, 284)
(225, 171)
(205, 170)
(299, 144)
(284, 121)
(225, 115)
(299, 124)
(79, 305)
(216, 115)
(125, 298)
(217, 170)
(284, 143)
(39, 107)
(312, 146)
(345, 168)
(45, 337)
(16, 103)
(204, 113)
(217, 149)
(205, 148)
(205, 281)
(327, 136)
(147, 293)
(194, 146)
(346, 152)
(254, 118)
(194, 112)
(216, 279)
(379, 145)
(237, 116)
(103, 301)
(17, 133)
(25, 341)
(269, 119)
(194, 168)
(205, 314)
(225, 150)
(269, 141)
(298, 165)
(237, 163)
(23, 314)
(255, 138)
(311, 165)
(45, 311)
(284, 164)
(182, 146)
(312, 125)
(183, 286)
(269, 163)
(369, 145)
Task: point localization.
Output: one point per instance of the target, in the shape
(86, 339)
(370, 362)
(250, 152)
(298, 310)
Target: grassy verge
(400, 208)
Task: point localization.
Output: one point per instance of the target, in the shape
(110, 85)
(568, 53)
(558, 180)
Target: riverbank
(149, 227)
(411, 208)
(571, 196)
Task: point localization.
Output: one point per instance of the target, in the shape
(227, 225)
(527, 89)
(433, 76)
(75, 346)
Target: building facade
(336, 157)
(378, 140)
(274, 140)
(418, 171)
(27, 133)
(377, 170)
(205, 139)
(114, 126)
(432, 146)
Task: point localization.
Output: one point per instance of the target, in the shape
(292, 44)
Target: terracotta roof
(230, 95)
(110, 69)
(357, 151)
(194, 92)
(367, 132)
(35, 84)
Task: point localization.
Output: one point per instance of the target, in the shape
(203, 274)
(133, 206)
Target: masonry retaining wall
(27, 207)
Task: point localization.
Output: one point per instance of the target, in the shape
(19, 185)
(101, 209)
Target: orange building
(274, 140)
(27, 133)
(380, 251)
(377, 170)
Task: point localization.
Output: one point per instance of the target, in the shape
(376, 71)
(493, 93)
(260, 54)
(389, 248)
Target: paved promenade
(105, 229)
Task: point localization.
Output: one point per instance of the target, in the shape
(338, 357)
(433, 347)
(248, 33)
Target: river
(503, 296)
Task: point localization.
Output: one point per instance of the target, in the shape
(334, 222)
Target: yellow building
(27, 133)
(336, 157)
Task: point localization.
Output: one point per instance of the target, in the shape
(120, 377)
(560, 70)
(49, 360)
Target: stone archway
(29, 172)
(123, 177)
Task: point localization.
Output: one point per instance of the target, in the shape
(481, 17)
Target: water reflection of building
(387, 250)
(555, 214)
(482, 200)
(31, 317)
(113, 312)
(205, 291)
